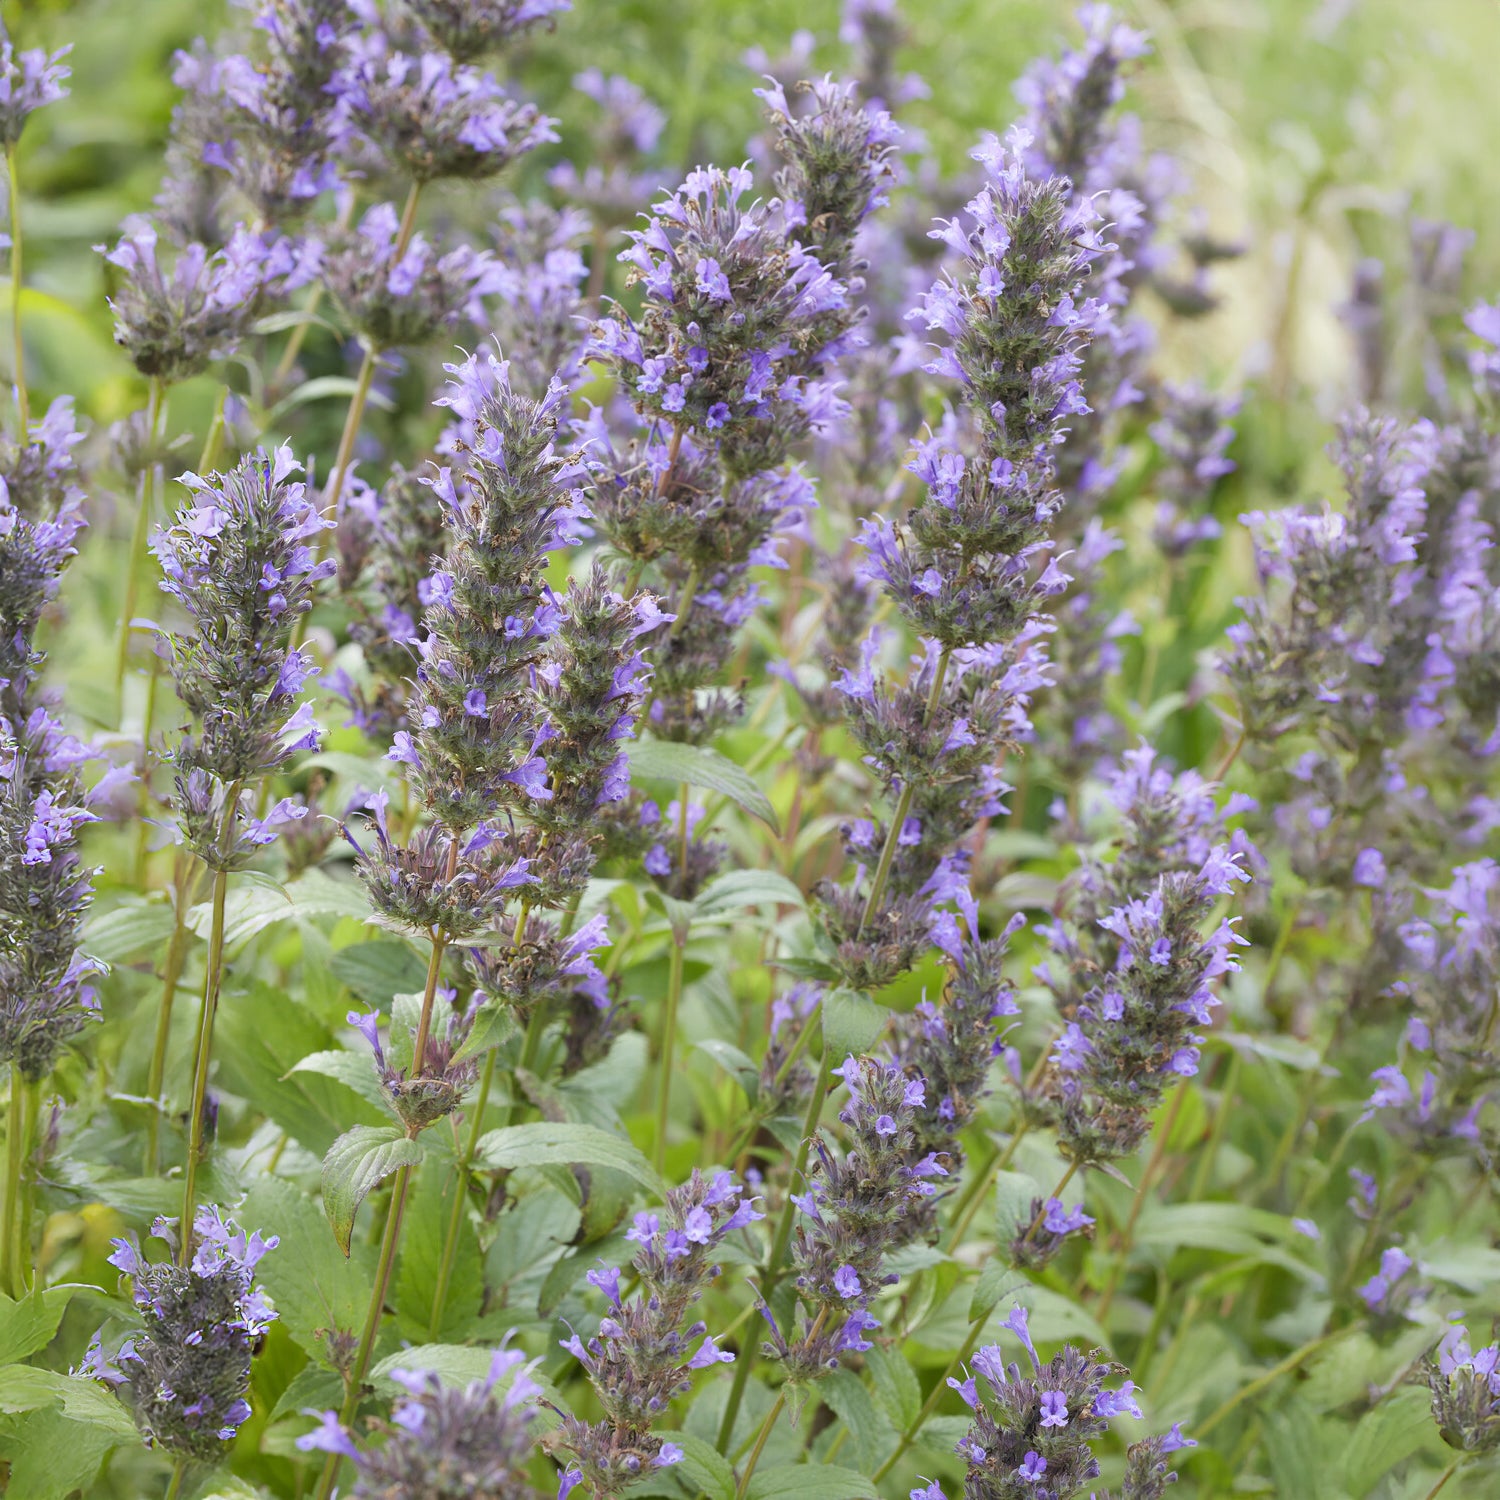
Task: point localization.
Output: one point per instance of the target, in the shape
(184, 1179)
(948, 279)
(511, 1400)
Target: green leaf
(129, 931)
(697, 765)
(51, 1458)
(737, 889)
(807, 1482)
(1392, 1432)
(317, 1290)
(428, 1211)
(259, 1038)
(1015, 1192)
(355, 1163)
(352, 1070)
(27, 1388)
(1229, 1228)
(324, 388)
(896, 1385)
(735, 1063)
(996, 1281)
(569, 1145)
(377, 970)
(851, 1024)
(28, 1325)
(871, 1430)
(493, 1025)
(704, 1467)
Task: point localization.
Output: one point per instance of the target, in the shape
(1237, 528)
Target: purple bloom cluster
(188, 1370)
(398, 291)
(239, 560)
(645, 1352)
(467, 29)
(538, 317)
(28, 81)
(1465, 1387)
(1032, 1434)
(442, 1442)
(429, 117)
(855, 1209)
(173, 325)
(611, 186)
(1192, 434)
(1436, 1096)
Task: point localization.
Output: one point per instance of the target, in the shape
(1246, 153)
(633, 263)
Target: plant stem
(209, 455)
(903, 807)
(460, 1197)
(772, 1273)
(31, 1098)
(174, 1485)
(1446, 1475)
(668, 1045)
(171, 973)
(1256, 1386)
(10, 1260)
(976, 1329)
(361, 1366)
(23, 406)
(974, 1194)
(759, 1448)
(1227, 1091)
(1127, 1234)
(138, 537)
(201, 1058)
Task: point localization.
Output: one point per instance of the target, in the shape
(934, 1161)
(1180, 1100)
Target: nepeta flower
(431, 118)
(28, 81)
(38, 475)
(174, 325)
(465, 29)
(188, 1370)
(238, 560)
(539, 300)
(873, 28)
(854, 1210)
(1192, 434)
(608, 187)
(444, 1443)
(404, 300)
(1465, 1390)
(38, 529)
(1038, 1428)
(645, 1352)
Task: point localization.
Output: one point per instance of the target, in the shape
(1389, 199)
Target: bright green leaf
(356, 1162)
(570, 1145)
(698, 765)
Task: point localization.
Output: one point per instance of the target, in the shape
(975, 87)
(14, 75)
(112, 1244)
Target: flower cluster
(610, 188)
(1032, 1434)
(1465, 1388)
(855, 1209)
(539, 304)
(238, 560)
(173, 325)
(397, 291)
(444, 1442)
(188, 1369)
(430, 117)
(644, 1354)
(28, 81)
(467, 29)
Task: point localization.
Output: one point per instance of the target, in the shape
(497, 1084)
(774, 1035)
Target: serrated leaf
(996, 1281)
(424, 1233)
(493, 1025)
(698, 765)
(316, 1290)
(852, 1023)
(737, 889)
(352, 1070)
(1015, 1192)
(1392, 1432)
(49, 1457)
(378, 969)
(569, 1145)
(896, 1385)
(356, 1162)
(29, 1324)
(28, 1388)
(129, 931)
(809, 1482)
(704, 1467)
(873, 1434)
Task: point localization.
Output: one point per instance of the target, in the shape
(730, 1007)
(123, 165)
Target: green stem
(202, 1055)
(1057, 1192)
(760, 1444)
(976, 1330)
(1127, 1235)
(10, 1260)
(903, 807)
(460, 1197)
(1210, 1155)
(143, 800)
(25, 1261)
(360, 1368)
(171, 973)
(974, 1194)
(138, 538)
(1256, 1386)
(772, 1273)
(23, 406)
(212, 439)
(1446, 1475)
(174, 1485)
(668, 1046)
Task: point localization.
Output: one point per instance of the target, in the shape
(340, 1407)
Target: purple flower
(1054, 1409)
